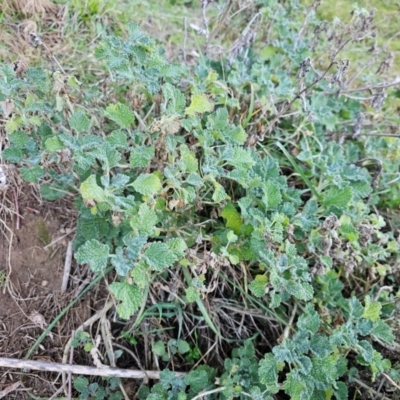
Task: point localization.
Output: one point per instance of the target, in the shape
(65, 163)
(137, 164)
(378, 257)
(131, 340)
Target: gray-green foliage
(141, 187)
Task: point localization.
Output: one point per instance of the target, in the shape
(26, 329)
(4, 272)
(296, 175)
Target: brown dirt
(32, 297)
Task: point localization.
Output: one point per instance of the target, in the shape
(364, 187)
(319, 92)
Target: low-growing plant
(256, 161)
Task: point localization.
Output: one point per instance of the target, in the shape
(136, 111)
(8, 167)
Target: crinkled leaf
(79, 121)
(121, 114)
(177, 246)
(159, 256)
(381, 330)
(233, 218)
(268, 373)
(372, 310)
(199, 104)
(131, 298)
(145, 220)
(32, 174)
(12, 154)
(93, 253)
(147, 184)
(141, 156)
(309, 320)
(257, 286)
(19, 139)
(53, 144)
(117, 139)
(272, 195)
(219, 193)
(90, 190)
(121, 263)
(337, 197)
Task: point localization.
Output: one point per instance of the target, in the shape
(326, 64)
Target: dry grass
(30, 7)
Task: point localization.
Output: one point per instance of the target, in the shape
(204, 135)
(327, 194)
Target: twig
(71, 360)
(9, 389)
(67, 268)
(58, 239)
(81, 369)
(206, 393)
(16, 208)
(363, 385)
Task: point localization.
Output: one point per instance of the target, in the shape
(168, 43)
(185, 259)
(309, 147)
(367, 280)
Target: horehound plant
(255, 167)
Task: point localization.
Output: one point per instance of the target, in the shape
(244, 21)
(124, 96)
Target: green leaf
(93, 253)
(324, 370)
(121, 263)
(79, 121)
(336, 197)
(32, 174)
(145, 220)
(81, 383)
(53, 144)
(131, 298)
(121, 114)
(272, 195)
(233, 218)
(141, 156)
(257, 286)
(268, 373)
(177, 246)
(117, 138)
(147, 184)
(309, 320)
(159, 256)
(12, 154)
(372, 310)
(341, 393)
(19, 139)
(294, 387)
(90, 190)
(381, 330)
(199, 104)
(174, 99)
(158, 348)
(192, 294)
(183, 346)
(219, 194)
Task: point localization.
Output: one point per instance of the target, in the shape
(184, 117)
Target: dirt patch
(32, 264)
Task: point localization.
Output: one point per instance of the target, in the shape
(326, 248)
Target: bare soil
(33, 260)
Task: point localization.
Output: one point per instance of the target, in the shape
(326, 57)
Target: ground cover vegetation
(238, 193)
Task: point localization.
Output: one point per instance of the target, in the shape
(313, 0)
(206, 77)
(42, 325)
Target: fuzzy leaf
(19, 139)
(233, 218)
(145, 220)
(117, 138)
(382, 331)
(199, 104)
(372, 310)
(272, 196)
(257, 286)
(93, 253)
(32, 174)
(268, 373)
(159, 256)
(90, 190)
(121, 114)
(130, 296)
(219, 193)
(336, 197)
(53, 144)
(12, 154)
(79, 121)
(141, 156)
(147, 184)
